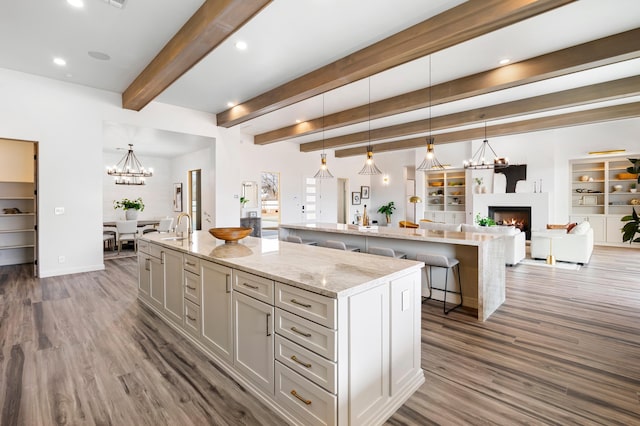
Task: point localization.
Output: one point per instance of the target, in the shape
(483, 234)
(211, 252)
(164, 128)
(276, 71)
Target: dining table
(141, 223)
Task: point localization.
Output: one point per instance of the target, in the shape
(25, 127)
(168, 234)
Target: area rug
(558, 265)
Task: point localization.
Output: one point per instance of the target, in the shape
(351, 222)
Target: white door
(310, 201)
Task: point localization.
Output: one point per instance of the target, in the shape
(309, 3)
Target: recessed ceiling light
(298, 121)
(60, 62)
(505, 61)
(99, 55)
(241, 45)
(231, 104)
(76, 3)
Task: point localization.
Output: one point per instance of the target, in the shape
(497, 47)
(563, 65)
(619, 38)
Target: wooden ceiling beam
(456, 25)
(610, 90)
(212, 23)
(616, 112)
(604, 51)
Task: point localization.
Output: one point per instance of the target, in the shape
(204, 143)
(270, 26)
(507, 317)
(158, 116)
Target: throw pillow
(570, 227)
(581, 228)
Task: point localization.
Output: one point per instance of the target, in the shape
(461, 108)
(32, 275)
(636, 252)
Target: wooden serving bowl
(230, 235)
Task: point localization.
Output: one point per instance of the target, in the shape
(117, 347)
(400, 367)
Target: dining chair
(127, 231)
(163, 226)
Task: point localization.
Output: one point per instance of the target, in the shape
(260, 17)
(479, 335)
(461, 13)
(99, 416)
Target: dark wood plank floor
(564, 349)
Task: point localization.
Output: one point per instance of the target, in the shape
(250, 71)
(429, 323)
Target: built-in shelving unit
(445, 195)
(17, 227)
(602, 195)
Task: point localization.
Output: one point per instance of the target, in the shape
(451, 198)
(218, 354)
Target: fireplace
(518, 216)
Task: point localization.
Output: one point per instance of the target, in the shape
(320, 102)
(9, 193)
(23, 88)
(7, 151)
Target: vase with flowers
(130, 207)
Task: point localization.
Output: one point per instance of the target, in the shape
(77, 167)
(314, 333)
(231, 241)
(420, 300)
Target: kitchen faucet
(189, 228)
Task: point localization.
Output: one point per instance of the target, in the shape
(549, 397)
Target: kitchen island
(481, 256)
(323, 337)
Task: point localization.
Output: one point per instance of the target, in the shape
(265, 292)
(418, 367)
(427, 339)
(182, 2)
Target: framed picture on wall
(355, 198)
(177, 197)
(364, 192)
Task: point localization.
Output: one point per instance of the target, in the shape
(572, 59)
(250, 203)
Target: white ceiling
(290, 38)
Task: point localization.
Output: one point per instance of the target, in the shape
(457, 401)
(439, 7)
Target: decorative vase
(131, 214)
(633, 190)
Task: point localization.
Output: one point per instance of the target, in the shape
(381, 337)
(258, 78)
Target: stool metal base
(446, 278)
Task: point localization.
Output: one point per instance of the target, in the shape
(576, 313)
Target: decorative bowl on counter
(230, 235)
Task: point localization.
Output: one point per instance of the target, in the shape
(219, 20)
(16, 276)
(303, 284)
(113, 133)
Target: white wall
(203, 160)
(67, 122)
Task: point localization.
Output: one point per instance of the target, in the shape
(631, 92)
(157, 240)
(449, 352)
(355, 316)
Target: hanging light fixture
(430, 161)
(323, 172)
(369, 167)
(129, 170)
(479, 159)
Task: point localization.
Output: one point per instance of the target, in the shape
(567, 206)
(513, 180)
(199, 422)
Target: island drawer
(315, 368)
(313, 306)
(192, 287)
(143, 246)
(307, 400)
(192, 319)
(191, 264)
(310, 335)
(252, 285)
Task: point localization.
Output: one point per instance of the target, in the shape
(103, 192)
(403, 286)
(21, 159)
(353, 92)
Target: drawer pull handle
(295, 330)
(268, 332)
(253, 287)
(190, 263)
(190, 288)
(293, 357)
(147, 262)
(227, 283)
(190, 317)
(306, 401)
(300, 304)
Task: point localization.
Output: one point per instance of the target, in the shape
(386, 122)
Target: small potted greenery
(130, 207)
(632, 188)
(631, 228)
(387, 210)
(484, 220)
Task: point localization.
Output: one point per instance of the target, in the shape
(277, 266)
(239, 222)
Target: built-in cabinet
(601, 193)
(17, 223)
(445, 198)
(315, 359)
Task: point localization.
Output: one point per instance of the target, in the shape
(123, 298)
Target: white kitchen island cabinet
(323, 337)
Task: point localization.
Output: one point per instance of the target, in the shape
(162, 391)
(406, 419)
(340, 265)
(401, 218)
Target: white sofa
(575, 246)
(515, 240)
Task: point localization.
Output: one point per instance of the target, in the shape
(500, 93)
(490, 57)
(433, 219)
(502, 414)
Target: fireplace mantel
(538, 201)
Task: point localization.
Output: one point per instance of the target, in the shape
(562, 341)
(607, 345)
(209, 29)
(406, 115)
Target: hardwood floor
(563, 349)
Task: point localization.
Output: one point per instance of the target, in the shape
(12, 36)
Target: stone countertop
(330, 272)
(461, 238)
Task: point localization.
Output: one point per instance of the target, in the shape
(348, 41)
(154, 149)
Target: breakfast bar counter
(481, 256)
(321, 337)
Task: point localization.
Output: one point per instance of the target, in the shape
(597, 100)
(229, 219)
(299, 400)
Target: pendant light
(479, 159)
(369, 167)
(129, 170)
(430, 161)
(323, 172)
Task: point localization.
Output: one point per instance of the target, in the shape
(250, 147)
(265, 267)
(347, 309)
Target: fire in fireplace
(518, 216)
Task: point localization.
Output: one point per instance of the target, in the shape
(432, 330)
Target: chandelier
(479, 159)
(369, 167)
(323, 171)
(430, 161)
(129, 170)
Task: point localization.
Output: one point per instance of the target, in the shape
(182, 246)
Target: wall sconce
(385, 180)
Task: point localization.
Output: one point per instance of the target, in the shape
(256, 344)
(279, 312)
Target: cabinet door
(144, 275)
(174, 296)
(614, 229)
(217, 325)
(157, 282)
(599, 230)
(254, 340)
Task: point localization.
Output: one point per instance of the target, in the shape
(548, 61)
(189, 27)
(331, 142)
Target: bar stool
(440, 261)
(340, 245)
(384, 251)
(298, 240)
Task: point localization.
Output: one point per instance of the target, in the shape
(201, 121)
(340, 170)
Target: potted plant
(635, 167)
(484, 220)
(631, 228)
(130, 207)
(387, 210)
(480, 188)
(632, 188)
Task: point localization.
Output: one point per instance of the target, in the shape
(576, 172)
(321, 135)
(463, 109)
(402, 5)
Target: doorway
(195, 199)
(343, 201)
